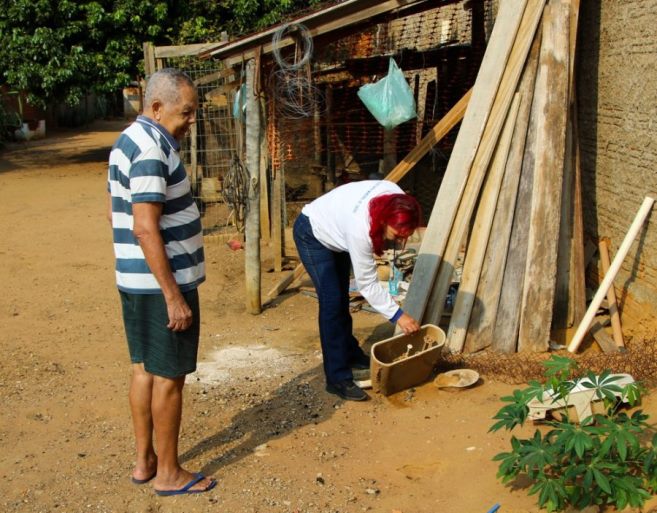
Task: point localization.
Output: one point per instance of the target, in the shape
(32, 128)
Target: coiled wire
(235, 191)
(295, 96)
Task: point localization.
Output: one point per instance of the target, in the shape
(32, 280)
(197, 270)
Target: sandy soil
(256, 416)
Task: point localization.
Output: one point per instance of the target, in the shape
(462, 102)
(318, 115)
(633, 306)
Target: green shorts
(163, 352)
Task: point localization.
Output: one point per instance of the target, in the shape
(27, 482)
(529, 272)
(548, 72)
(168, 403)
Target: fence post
(252, 222)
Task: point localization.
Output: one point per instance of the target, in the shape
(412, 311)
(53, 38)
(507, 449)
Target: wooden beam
(489, 290)
(468, 200)
(541, 266)
(286, 282)
(583, 327)
(603, 250)
(481, 230)
(454, 181)
(149, 59)
(163, 52)
(252, 222)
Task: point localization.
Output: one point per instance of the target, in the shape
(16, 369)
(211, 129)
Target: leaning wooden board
(541, 266)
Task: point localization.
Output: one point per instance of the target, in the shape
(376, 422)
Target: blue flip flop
(142, 481)
(187, 488)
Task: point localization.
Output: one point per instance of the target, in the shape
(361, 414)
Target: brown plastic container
(392, 371)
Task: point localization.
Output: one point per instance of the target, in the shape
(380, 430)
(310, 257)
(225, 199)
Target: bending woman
(342, 230)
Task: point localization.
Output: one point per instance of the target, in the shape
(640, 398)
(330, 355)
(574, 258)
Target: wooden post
(149, 59)
(541, 266)
(611, 295)
(330, 158)
(583, 327)
(277, 202)
(252, 222)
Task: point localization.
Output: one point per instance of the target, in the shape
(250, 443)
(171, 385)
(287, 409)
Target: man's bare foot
(182, 482)
(145, 471)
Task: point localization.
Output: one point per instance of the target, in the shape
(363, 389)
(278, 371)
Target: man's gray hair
(164, 85)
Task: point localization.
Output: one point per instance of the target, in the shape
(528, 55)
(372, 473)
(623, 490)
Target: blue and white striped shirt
(144, 166)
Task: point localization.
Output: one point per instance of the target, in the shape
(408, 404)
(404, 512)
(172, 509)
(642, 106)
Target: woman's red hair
(399, 211)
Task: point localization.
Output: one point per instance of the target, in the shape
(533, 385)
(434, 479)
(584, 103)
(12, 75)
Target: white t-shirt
(340, 220)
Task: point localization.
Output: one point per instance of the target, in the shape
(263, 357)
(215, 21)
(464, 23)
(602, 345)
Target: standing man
(158, 244)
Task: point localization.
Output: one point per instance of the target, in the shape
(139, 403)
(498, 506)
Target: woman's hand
(407, 324)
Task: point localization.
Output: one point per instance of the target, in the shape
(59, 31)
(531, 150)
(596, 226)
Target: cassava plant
(608, 459)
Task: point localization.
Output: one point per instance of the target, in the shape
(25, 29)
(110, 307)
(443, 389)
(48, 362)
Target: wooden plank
(570, 300)
(149, 59)
(277, 205)
(605, 342)
(577, 285)
(498, 112)
(217, 75)
(476, 251)
(252, 221)
(541, 266)
(463, 154)
(624, 249)
(442, 128)
(286, 282)
(577, 274)
(163, 52)
(603, 249)
(482, 320)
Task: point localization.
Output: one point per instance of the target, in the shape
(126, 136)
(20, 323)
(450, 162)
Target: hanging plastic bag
(390, 100)
(239, 103)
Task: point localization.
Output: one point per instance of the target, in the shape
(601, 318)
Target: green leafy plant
(604, 459)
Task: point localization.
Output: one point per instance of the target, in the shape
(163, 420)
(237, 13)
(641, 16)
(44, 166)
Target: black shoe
(347, 390)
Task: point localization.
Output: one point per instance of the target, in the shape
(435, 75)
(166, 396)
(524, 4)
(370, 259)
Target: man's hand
(180, 315)
(407, 324)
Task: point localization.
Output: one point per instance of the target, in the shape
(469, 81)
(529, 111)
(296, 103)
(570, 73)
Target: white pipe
(584, 326)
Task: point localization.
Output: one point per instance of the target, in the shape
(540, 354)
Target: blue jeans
(329, 272)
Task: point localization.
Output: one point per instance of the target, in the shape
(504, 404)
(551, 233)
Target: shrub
(602, 460)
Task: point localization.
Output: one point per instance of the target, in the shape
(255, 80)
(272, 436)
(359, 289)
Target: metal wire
(235, 191)
(295, 95)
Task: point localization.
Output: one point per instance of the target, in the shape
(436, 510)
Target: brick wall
(617, 99)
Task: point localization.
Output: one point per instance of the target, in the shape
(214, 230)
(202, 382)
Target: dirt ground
(256, 416)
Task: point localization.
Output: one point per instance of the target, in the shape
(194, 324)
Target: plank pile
(510, 196)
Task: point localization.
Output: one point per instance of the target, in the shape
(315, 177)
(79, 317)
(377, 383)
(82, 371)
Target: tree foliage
(61, 49)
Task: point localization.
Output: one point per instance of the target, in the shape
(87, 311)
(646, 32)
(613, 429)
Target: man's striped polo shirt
(144, 166)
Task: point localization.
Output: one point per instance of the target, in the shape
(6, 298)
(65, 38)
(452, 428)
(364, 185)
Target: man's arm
(147, 231)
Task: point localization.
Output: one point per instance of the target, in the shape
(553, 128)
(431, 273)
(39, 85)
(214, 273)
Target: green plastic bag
(390, 100)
